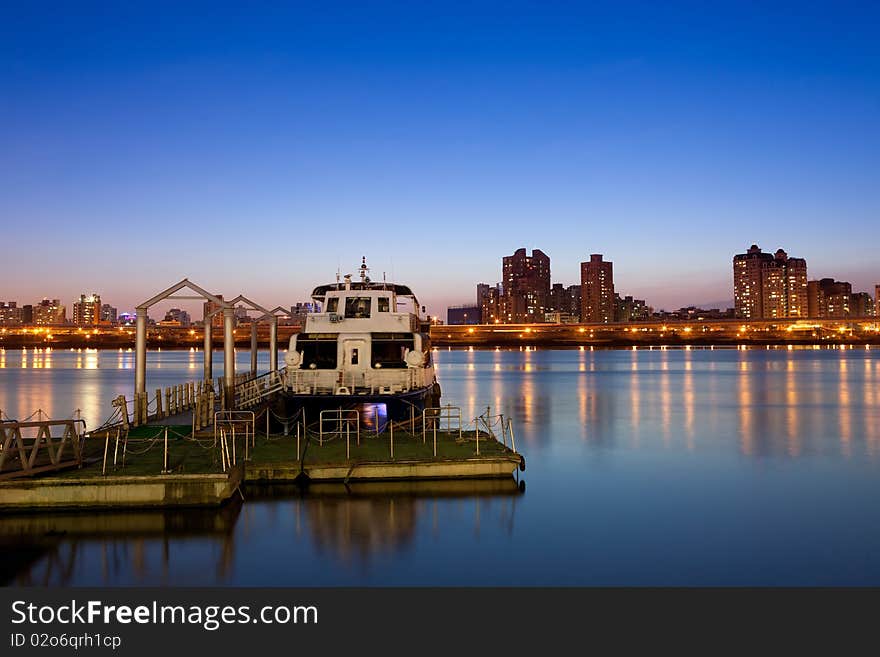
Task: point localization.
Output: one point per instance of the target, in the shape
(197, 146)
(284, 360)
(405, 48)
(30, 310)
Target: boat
(366, 349)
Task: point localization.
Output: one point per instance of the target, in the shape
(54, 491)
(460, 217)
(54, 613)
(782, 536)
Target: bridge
(697, 331)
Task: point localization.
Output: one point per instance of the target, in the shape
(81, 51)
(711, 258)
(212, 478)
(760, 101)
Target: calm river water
(660, 467)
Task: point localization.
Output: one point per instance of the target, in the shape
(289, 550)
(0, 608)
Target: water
(662, 467)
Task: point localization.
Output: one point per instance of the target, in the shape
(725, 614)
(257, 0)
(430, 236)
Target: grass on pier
(145, 452)
(375, 448)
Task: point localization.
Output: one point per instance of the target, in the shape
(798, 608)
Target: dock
(200, 443)
(173, 466)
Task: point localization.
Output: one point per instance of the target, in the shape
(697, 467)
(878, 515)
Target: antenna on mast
(364, 270)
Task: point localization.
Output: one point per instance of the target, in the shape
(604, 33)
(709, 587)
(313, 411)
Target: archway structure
(140, 363)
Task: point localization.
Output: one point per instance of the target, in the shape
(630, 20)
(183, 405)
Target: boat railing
(373, 381)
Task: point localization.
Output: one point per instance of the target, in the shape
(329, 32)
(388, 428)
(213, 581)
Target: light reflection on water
(644, 467)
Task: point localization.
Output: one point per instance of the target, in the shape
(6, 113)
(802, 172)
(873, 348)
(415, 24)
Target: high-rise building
(209, 307)
(490, 305)
(27, 314)
(87, 311)
(557, 302)
(482, 291)
(526, 287)
(177, 317)
(829, 299)
(563, 306)
(877, 300)
(630, 310)
(766, 286)
(575, 294)
(861, 305)
(108, 313)
(748, 270)
(10, 313)
(597, 295)
(49, 313)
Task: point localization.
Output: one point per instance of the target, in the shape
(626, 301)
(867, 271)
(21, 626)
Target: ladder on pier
(252, 391)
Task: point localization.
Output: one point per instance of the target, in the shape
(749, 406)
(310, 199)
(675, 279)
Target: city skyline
(262, 151)
(531, 281)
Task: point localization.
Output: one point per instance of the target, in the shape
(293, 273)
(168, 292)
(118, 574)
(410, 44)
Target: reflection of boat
(362, 351)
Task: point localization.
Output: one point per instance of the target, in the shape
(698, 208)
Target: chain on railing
(341, 415)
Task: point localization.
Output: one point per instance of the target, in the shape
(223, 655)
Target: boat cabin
(367, 338)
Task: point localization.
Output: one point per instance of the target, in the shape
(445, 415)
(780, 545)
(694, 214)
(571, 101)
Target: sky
(259, 148)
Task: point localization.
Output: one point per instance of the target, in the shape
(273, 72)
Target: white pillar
(140, 353)
(273, 344)
(253, 347)
(209, 349)
(229, 357)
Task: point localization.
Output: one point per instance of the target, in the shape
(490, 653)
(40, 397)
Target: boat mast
(364, 269)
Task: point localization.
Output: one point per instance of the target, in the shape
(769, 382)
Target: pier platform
(86, 489)
(143, 469)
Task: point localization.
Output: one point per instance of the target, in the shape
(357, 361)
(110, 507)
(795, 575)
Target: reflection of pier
(358, 521)
(46, 550)
(361, 520)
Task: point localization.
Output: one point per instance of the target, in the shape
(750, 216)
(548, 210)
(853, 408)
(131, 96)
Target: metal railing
(435, 416)
(252, 390)
(340, 416)
(225, 424)
(26, 455)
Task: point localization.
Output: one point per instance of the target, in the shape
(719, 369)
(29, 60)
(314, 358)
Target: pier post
(140, 355)
(273, 343)
(253, 348)
(228, 358)
(209, 349)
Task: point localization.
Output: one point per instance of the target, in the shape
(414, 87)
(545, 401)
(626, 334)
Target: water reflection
(844, 412)
(352, 526)
(708, 455)
(59, 549)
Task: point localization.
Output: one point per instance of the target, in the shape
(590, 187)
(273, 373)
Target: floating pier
(97, 492)
(198, 443)
(175, 466)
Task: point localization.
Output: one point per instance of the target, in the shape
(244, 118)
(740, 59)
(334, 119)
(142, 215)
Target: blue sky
(256, 148)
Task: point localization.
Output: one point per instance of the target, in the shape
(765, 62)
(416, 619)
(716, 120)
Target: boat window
(383, 304)
(390, 353)
(357, 307)
(332, 304)
(320, 353)
(354, 356)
